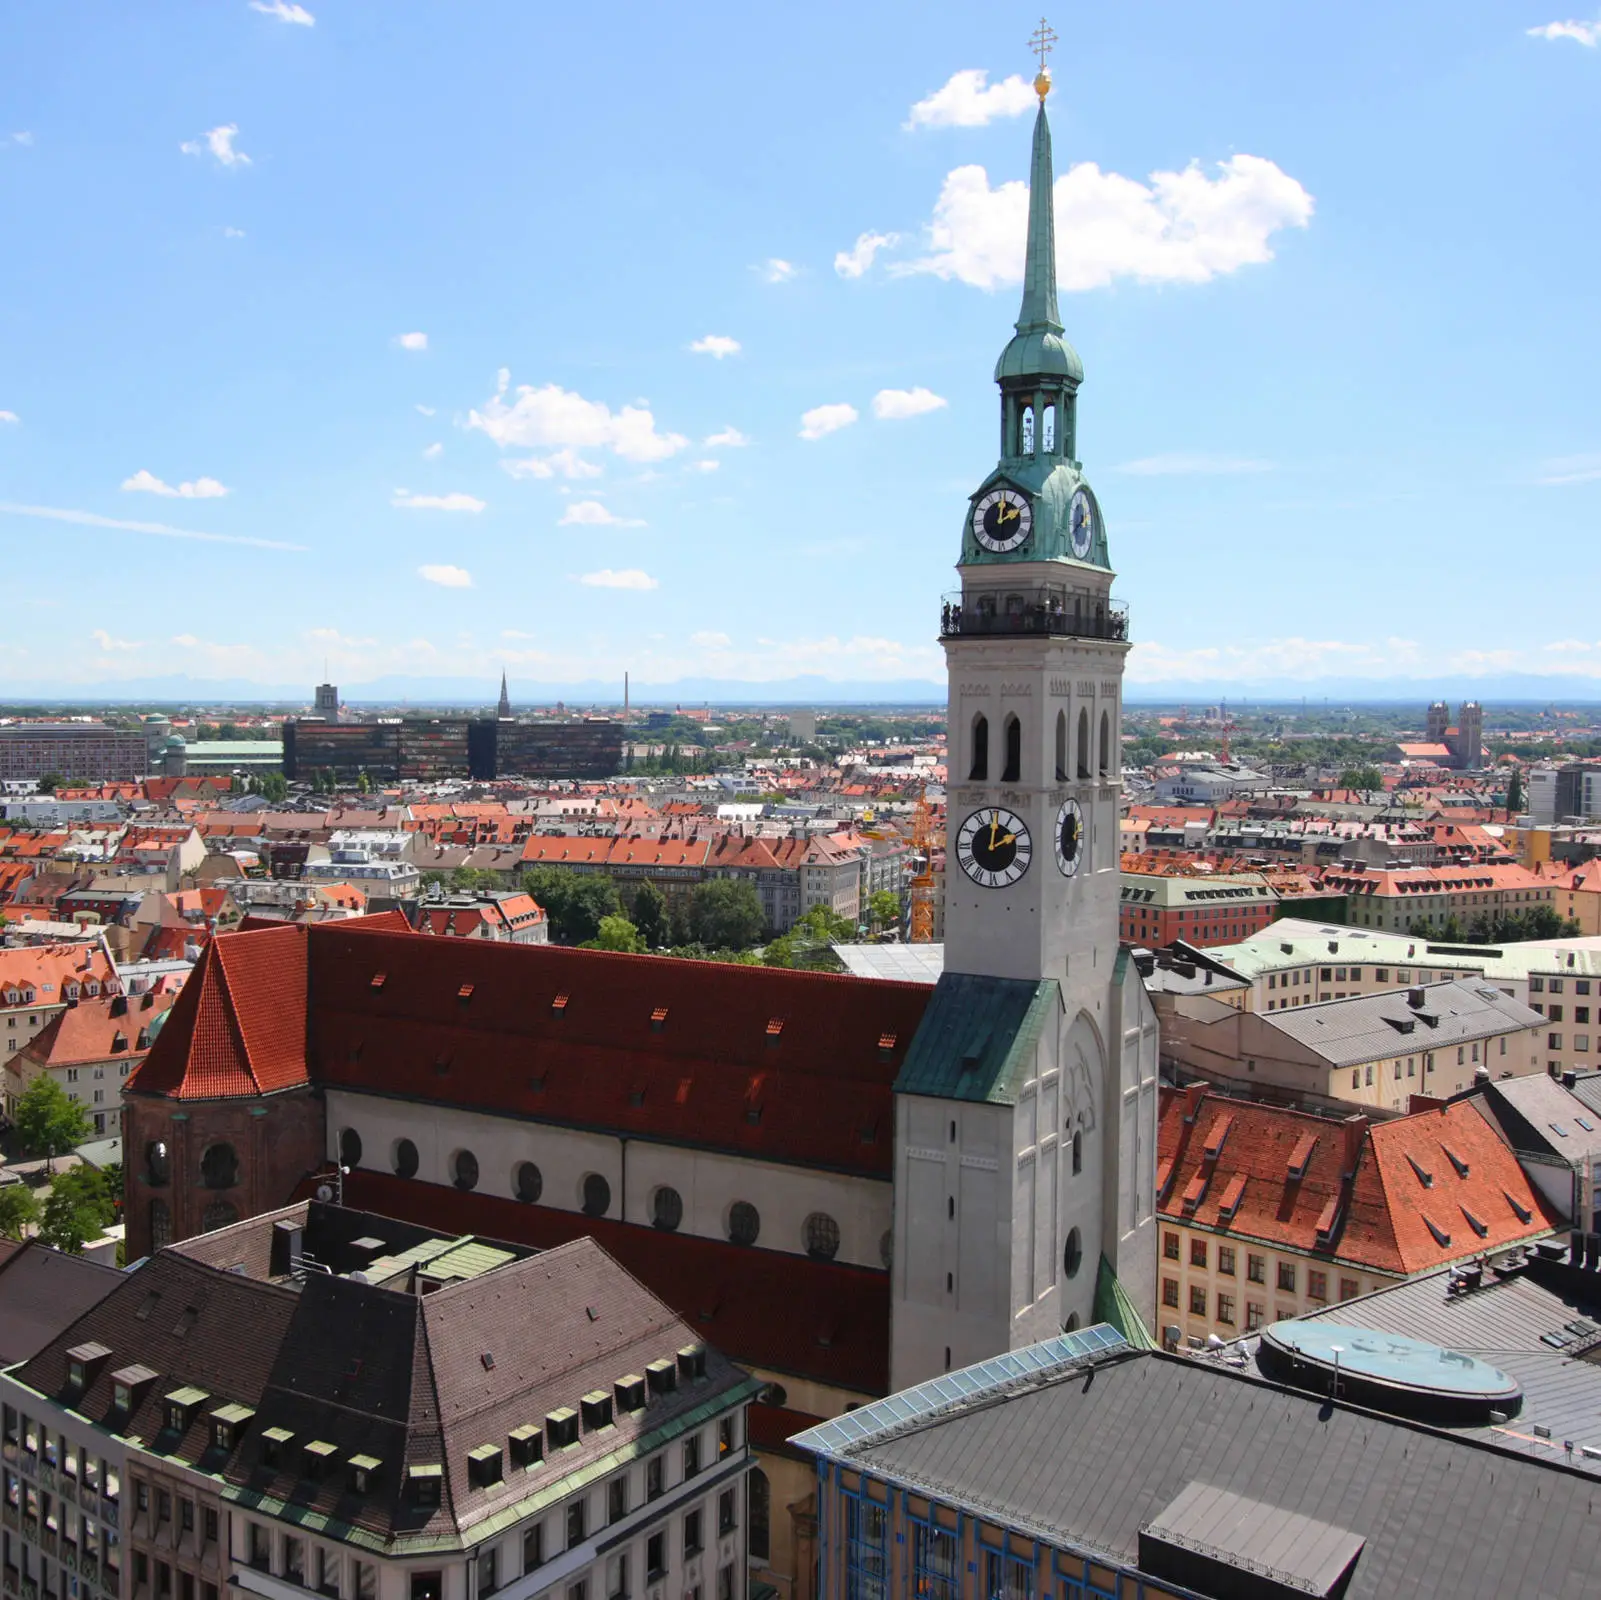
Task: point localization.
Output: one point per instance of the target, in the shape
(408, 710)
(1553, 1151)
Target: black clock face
(993, 847)
(1069, 837)
(1002, 520)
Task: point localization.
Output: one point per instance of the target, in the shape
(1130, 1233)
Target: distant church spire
(505, 698)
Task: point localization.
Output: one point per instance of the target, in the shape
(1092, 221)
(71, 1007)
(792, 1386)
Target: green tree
(1365, 778)
(617, 933)
(85, 1188)
(67, 1224)
(363, 782)
(884, 908)
(650, 915)
(274, 786)
(50, 782)
(49, 1121)
(1514, 792)
(575, 902)
(726, 913)
(809, 943)
(18, 1209)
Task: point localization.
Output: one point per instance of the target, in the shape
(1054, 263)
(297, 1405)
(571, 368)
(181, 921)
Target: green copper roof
(977, 1038)
(1113, 1306)
(1038, 348)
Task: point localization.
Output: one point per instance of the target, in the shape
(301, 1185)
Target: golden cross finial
(1040, 42)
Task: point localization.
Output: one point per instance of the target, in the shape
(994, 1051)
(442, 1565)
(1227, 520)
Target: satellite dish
(359, 1277)
(325, 1193)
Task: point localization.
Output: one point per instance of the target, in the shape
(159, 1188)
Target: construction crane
(922, 885)
(1228, 728)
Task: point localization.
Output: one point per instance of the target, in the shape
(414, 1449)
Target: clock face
(1081, 523)
(1002, 520)
(1069, 837)
(994, 847)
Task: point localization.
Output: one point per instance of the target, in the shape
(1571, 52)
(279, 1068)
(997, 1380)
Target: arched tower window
(219, 1167)
(1048, 431)
(1106, 743)
(1083, 743)
(980, 768)
(1061, 745)
(1026, 432)
(160, 1225)
(1013, 770)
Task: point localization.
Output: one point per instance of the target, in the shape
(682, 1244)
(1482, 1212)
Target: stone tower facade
(1027, 1116)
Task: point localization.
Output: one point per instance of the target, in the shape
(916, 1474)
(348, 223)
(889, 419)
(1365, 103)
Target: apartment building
(331, 1401)
(1268, 1214)
(87, 750)
(1155, 908)
(89, 1049)
(1408, 899)
(1367, 1052)
(38, 983)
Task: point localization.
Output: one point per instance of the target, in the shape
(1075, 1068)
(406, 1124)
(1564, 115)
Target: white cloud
(704, 466)
(284, 11)
(628, 578)
(1571, 469)
(107, 643)
(1585, 33)
(854, 262)
(233, 233)
(551, 415)
(9, 416)
(726, 439)
(710, 641)
(1280, 660)
(890, 405)
(458, 501)
(564, 463)
(91, 519)
(201, 489)
(1182, 464)
(433, 452)
(821, 420)
(969, 100)
(424, 411)
(219, 141)
(412, 341)
(1181, 227)
(23, 138)
(716, 345)
(592, 514)
(447, 577)
(777, 270)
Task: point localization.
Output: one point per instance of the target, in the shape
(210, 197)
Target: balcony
(1032, 618)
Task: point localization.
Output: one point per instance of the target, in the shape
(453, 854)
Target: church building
(847, 1185)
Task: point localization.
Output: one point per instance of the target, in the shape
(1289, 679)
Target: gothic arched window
(1048, 431)
(1083, 743)
(1026, 432)
(219, 1167)
(1013, 770)
(979, 770)
(160, 1225)
(1106, 743)
(1061, 745)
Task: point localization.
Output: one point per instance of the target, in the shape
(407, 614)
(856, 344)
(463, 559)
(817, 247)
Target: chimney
(1414, 998)
(1355, 1131)
(1194, 1094)
(1569, 1079)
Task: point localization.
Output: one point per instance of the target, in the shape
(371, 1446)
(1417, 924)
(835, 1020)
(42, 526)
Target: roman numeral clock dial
(993, 847)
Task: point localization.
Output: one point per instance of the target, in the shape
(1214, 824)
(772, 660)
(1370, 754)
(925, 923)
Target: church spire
(505, 698)
(1039, 313)
(1037, 350)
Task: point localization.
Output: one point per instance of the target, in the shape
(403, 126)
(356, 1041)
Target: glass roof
(870, 1422)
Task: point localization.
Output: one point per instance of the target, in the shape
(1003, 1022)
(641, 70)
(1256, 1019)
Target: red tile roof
(239, 1025)
(1358, 1198)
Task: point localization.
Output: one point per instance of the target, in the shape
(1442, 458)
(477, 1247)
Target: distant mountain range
(178, 690)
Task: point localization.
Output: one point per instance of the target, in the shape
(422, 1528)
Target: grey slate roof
(1346, 1032)
(1535, 1113)
(41, 1293)
(975, 1037)
(1587, 1086)
(1506, 1322)
(1089, 1461)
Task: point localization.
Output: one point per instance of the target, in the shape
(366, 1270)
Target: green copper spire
(1038, 350)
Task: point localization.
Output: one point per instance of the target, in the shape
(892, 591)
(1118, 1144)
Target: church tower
(1027, 1107)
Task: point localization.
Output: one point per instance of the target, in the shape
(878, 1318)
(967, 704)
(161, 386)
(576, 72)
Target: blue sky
(400, 304)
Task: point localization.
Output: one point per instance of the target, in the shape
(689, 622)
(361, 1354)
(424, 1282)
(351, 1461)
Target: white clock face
(1081, 523)
(1069, 838)
(1002, 520)
(994, 847)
